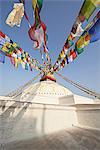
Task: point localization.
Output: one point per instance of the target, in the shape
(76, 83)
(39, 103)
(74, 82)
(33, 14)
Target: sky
(59, 16)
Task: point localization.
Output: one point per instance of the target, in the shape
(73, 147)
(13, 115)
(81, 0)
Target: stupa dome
(45, 89)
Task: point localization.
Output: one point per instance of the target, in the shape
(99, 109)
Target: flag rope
(18, 92)
(81, 87)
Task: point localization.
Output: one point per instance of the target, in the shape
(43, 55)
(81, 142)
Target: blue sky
(59, 16)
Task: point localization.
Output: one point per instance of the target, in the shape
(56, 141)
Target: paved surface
(69, 139)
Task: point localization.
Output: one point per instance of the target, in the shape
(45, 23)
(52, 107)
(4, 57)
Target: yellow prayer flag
(14, 45)
(96, 2)
(83, 40)
(8, 44)
(34, 2)
(4, 48)
(80, 42)
(88, 8)
(16, 62)
(62, 54)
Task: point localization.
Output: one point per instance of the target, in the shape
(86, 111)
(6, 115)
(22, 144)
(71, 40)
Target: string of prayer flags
(90, 35)
(16, 15)
(93, 21)
(16, 54)
(37, 32)
(77, 30)
(37, 5)
(87, 9)
(70, 57)
(82, 42)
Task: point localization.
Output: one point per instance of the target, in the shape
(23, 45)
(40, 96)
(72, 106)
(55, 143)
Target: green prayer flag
(79, 50)
(87, 9)
(40, 2)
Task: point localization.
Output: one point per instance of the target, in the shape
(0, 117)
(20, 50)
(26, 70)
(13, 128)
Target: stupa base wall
(88, 116)
(23, 121)
(20, 121)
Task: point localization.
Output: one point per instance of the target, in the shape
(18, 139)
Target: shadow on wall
(11, 114)
(10, 117)
(89, 118)
(22, 121)
(43, 120)
(17, 121)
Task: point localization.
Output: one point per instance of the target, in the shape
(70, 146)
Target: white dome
(45, 88)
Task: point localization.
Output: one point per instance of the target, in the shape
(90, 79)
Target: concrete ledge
(87, 106)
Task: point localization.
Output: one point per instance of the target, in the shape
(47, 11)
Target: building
(45, 108)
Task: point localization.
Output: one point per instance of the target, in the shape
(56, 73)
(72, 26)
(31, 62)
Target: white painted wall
(25, 121)
(75, 99)
(20, 121)
(88, 116)
(83, 100)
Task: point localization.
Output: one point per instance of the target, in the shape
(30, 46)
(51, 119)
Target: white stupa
(43, 108)
(48, 92)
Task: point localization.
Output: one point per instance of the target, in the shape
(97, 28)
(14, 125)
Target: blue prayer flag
(2, 57)
(94, 32)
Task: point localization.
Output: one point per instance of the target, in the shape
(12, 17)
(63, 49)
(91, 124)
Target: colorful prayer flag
(2, 57)
(87, 9)
(16, 54)
(15, 16)
(94, 32)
